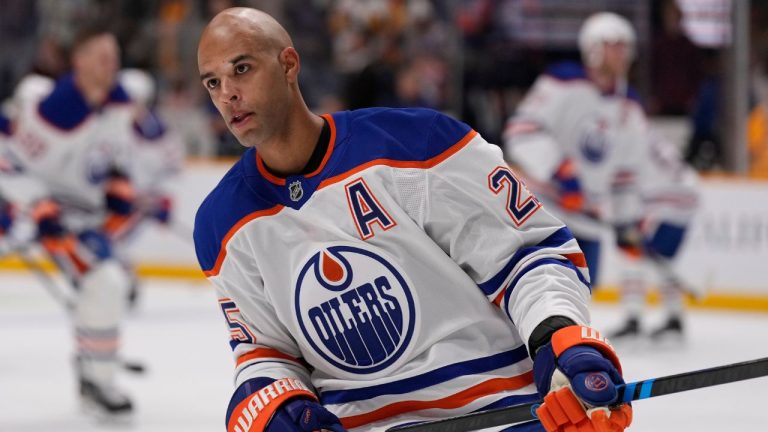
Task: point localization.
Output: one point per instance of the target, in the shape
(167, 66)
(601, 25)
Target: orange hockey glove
(576, 373)
(569, 187)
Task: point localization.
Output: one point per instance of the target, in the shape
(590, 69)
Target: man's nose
(229, 92)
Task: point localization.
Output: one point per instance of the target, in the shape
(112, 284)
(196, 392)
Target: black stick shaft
(694, 380)
(633, 391)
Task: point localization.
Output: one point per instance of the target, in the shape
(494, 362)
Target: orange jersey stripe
(265, 353)
(223, 251)
(457, 400)
(577, 259)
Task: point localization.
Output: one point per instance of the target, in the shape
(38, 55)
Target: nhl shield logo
(296, 191)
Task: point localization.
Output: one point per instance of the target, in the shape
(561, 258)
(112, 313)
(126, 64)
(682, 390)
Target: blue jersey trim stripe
(437, 376)
(556, 239)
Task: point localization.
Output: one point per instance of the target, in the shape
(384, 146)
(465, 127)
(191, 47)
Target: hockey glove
(576, 373)
(59, 242)
(47, 214)
(303, 415)
(569, 187)
(629, 238)
(161, 209)
(119, 200)
(119, 195)
(7, 214)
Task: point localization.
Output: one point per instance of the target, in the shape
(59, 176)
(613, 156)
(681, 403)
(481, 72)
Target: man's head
(95, 59)
(250, 69)
(607, 44)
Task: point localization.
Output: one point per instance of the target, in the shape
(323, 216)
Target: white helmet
(600, 28)
(139, 85)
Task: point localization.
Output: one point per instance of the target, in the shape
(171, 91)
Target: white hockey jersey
(566, 116)
(400, 281)
(70, 147)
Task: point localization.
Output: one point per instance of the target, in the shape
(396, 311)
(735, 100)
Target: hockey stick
(628, 392)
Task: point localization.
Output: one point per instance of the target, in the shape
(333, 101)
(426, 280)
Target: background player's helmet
(139, 85)
(600, 28)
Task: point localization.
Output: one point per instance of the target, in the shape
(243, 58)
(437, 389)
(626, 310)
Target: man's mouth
(240, 119)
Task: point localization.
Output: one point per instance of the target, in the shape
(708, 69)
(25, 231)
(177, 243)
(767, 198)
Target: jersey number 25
(521, 203)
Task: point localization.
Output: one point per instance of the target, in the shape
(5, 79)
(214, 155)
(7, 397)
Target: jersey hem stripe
(428, 379)
(457, 400)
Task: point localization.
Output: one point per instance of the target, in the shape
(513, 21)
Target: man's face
(246, 82)
(616, 58)
(97, 62)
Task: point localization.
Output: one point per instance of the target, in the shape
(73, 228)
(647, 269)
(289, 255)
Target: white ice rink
(179, 334)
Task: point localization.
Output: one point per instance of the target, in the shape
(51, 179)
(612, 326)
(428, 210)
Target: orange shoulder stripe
(429, 163)
(223, 248)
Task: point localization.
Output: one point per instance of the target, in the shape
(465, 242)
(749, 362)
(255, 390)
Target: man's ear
(289, 59)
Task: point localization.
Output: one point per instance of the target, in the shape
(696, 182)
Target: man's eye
(211, 84)
(242, 68)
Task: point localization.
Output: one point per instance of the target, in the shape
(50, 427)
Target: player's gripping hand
(47, 215)
(577, 373)
(161, 209)
(7, 214)
(119, 195)
(120, 203)
(571, 197)
(303, 415)
(629, 238)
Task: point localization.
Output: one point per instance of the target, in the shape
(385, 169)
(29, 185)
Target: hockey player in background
(657, 215)
(384, 266)
(581, 139)
(72, 140)
(157, 156)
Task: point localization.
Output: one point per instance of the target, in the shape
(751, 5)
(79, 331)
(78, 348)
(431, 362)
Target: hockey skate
(106, 402)
(670, 331)
(630, 330)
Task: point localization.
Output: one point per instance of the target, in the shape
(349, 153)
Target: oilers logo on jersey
(355, 308)
(594, 142)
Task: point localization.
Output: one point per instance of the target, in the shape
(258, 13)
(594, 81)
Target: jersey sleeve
(521, 257)
(268, 366)
(528, 140)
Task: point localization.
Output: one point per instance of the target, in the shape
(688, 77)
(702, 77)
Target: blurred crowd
(471, 58)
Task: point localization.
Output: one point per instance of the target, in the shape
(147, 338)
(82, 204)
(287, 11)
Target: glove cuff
(568, 337)
(253, 413)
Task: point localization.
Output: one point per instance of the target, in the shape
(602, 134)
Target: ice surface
(180, 335)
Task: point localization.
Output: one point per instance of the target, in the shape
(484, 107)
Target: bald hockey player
(384, 266)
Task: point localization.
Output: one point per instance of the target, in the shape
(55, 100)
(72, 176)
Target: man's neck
(94, 96)
(604, 81)
(293, 149)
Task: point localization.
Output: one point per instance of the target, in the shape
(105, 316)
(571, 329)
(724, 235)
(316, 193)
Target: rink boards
(725, 252)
